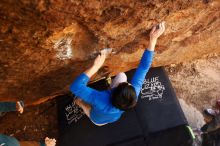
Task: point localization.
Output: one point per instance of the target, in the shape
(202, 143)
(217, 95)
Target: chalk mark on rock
(64, 47)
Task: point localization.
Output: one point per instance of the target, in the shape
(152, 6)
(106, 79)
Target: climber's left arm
(79, 87)
(99, 61)
(147, 57)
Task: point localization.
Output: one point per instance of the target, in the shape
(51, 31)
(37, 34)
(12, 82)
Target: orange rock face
(45, 44)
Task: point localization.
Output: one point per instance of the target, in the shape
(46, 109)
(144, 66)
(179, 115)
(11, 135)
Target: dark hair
(124, 96)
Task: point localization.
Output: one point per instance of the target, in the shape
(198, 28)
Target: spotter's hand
(50, 141)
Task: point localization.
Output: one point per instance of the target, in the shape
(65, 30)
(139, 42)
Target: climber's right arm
(155, 33)
(147, 58)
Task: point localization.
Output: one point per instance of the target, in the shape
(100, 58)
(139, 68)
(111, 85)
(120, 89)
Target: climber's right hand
(155, 33)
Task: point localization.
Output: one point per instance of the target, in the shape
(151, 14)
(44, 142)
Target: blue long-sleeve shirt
(103, 111)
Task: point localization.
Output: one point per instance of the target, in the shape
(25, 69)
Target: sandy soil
(196, 84)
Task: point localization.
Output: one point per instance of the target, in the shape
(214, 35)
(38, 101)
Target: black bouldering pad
(82, 132)
(158, 107)
(177, 136)
(135, 141)
(157, 112)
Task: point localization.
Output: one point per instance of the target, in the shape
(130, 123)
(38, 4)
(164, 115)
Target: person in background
(212, 125)
(103, 107)
(211, 132)
(11, 106)
(11, 141)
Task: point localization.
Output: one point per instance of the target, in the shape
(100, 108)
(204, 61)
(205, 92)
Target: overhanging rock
(45, 44)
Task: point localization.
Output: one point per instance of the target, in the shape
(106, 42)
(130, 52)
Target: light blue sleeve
(80, 89)
(142, 70)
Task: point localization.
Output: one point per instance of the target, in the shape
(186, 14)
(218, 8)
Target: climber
(103, 107)
(11, 106)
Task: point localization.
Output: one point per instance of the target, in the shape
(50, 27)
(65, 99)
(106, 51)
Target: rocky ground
(196, 84)
(34, 124)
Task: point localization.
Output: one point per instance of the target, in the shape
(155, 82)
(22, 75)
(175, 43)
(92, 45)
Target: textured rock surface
(44, 44)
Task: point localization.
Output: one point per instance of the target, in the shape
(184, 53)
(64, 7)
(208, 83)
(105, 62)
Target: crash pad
(157, 115)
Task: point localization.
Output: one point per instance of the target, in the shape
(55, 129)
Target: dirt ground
(34, 124)
(196, 84)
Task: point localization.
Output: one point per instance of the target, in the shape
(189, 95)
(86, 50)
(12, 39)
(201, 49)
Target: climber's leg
(86, 108)
(119, 78)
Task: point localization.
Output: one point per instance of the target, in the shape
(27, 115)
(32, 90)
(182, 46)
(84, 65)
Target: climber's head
(124, 96)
